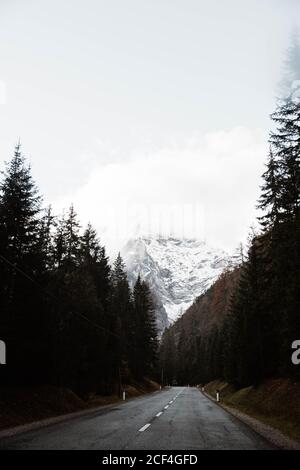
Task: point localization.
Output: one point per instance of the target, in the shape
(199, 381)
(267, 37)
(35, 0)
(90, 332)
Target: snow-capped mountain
(177, 271)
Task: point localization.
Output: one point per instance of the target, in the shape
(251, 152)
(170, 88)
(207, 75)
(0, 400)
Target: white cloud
(204, 186)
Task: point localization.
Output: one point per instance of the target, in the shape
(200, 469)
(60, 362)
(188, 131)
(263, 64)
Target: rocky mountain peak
(177, 271)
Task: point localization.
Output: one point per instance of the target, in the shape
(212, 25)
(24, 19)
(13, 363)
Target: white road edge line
(158, 414)
(144, 427)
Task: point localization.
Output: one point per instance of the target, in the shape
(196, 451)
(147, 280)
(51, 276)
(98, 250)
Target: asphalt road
(176, 418)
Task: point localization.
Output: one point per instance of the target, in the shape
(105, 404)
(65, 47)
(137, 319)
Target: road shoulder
(43, 423)
(270, 434)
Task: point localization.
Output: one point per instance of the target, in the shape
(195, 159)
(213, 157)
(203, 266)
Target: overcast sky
(149, 115)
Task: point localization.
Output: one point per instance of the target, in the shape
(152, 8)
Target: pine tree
(269, 201)
(230, 329)
(46, 238)
(78, 313)
(21, 265)
(119, 275)
(145, 329)
(72, 237)
(89, 245)
(120, 318)
(285, 141)
(168, 357)
(93, 257)
(67, 241)
(20, 208)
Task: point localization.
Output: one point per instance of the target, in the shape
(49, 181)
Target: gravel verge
(274, 436)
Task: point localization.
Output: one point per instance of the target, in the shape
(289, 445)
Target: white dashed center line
(159, 414)
(145, 427)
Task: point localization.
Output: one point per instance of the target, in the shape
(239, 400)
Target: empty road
(175, 418)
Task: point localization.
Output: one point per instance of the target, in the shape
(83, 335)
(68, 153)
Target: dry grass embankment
(276, 402)
(19, 406)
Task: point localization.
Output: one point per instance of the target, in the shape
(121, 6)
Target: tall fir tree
(269, 201)
(145, 329)
(120, 318)
(72, 237)
(47, 223)
(21, 264)
(285, 140)
(93, 257)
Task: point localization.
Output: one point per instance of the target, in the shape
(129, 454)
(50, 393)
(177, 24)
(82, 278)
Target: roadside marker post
(218, 396)
(124, 395)
(2, 353)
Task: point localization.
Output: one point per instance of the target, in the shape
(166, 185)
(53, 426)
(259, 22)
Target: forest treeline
(67, 317)
(253, 312)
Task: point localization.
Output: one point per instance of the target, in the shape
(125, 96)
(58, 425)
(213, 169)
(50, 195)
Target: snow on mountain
(177, 270)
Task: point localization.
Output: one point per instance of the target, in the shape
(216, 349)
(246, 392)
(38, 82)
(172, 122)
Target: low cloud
(203, 186)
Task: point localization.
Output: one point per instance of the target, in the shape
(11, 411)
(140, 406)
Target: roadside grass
(275, 402)
(24, 405)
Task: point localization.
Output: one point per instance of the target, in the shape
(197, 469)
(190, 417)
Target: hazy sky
(135, 109)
